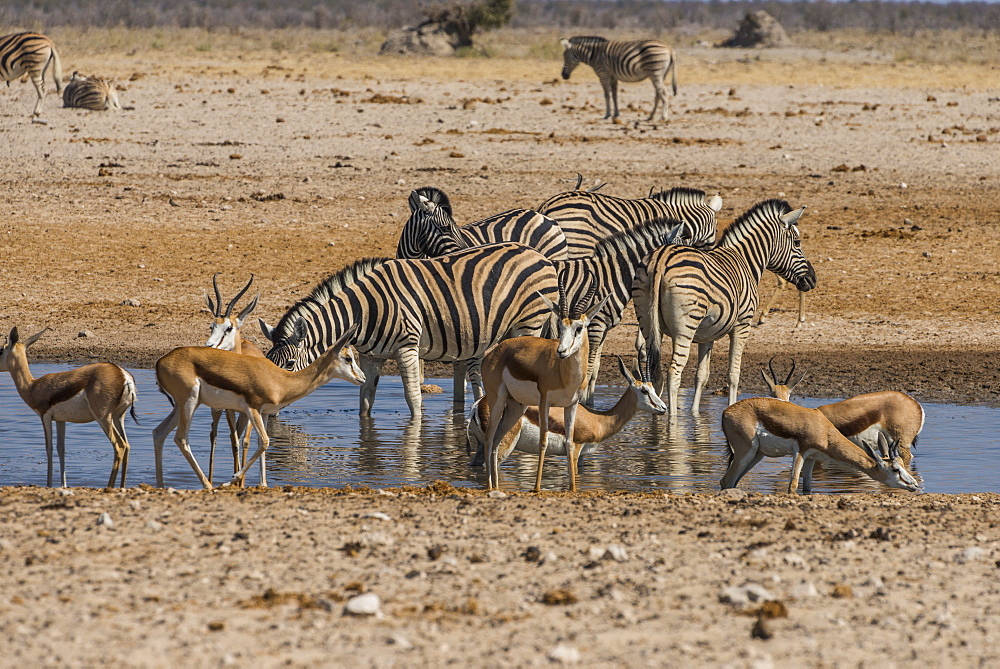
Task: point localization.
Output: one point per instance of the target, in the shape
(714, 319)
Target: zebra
(611, 270)
(700, 296)
(623, 61)
(587, 217)
(90, 93)
(449, 308)
(30, 54)
(431, 229)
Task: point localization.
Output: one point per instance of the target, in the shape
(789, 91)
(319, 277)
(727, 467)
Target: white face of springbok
(223, 332)
(573, 329)
(647, 399)
(895, 473)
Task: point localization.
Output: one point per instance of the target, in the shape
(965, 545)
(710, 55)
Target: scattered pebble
(377, 515)
(496, 494)
(745, 594)
(971, 554)
(131, 302)
(85, 334)
(805, 589)
(564, 654)
(367, 604)
(400, 641)
(105, 520)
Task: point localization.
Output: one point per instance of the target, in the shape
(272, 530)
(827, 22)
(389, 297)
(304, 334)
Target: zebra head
(289, 352)
(770, 228)
(570, 61)
(431, 229)
(792, 265)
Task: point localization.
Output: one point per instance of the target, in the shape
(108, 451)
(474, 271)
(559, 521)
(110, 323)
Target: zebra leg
(701, 378)
(614, 95)
(39, 83)
(408, 361)
(460, 371)
(593, 367)
(372, 367)
(802, 309)
(678, 359)
(737, 340)
(474, 370)
(767, 305)
(606, 84)
(660, 99)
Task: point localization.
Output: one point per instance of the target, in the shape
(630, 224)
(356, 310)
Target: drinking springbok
(101, 392)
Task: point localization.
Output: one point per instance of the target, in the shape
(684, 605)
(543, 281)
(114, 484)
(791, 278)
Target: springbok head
(224, 331)
(572, 325)
(890, 466)
(648, 399)
(13, 339)
(783, 390)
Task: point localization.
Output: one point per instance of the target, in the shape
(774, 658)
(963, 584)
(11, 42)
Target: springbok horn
(770, 369)
(563, 310)
(790, 372)
(579, 181)
(232, 303)
(218, 295)
(594, 189)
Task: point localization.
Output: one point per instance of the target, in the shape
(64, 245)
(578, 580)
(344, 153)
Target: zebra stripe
(700, 296)
(450, 308)
(610, 271)
(586, 217)
(623, 61)
(90, 93)
(431, 229)
(30, 54)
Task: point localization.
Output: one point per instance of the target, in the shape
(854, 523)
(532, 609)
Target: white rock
(564, 654)
(367, 604)
(84, 334)
(795, 560)
(400, 640)
(971, 554)
(496, 494)
(874, 581)
(105, 520)
(6, 544)
(745, 594)
(616, 553)
(377, 515)
(804, 589)
(131, 302)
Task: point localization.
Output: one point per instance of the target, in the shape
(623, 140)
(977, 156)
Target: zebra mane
(325, 291)
(771, 208)
(679, 195)
(617, 244)
(587, 40)
(435, 195)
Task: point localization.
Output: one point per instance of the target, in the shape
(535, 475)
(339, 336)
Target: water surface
(321, 441)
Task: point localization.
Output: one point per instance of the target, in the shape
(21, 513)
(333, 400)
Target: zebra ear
(266, 330)
(715, 203)
(792, 217)
(564, 42)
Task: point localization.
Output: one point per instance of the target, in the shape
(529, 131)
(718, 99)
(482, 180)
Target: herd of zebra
(483, 294)
(29, 55)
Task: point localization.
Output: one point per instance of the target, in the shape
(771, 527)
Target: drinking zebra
(700, 296)
(450, 308)
(586, 217)
(90, 93)
(610, 270)
(431, 229)
(30, 54)
(623, 61)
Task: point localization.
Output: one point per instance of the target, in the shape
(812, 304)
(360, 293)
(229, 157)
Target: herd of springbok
(526, 379)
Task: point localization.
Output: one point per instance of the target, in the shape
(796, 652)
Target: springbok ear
(792, 217)
(715, 203)
(247, 310)
(208, 301)
(13, 337)
(625, 371)
(266, 330)
(767, 379)
(345, 338)
(597, 307)
(551, 305)
(35, 337)
(797, 381)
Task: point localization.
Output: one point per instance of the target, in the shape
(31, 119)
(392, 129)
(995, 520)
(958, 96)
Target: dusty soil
(289, 165)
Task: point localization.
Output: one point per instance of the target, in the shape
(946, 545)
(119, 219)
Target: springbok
(194, 375)
(861, 418)
(591, 429)
(225, 333)
(761, 427)
(531, 371)
(101, 392)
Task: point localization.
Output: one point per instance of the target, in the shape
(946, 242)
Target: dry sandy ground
(290, 165)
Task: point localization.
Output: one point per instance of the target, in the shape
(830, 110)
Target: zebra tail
(646, 300)
(673, 71)
(56, 69)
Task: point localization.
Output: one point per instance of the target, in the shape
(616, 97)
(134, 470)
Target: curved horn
(563, 311)
(229, 309)
(579, 181)
(218, 296)
(790, 372)
(594, 189)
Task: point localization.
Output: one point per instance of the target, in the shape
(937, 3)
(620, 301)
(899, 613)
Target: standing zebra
(30, 54)
(611, 270)
(699, 296)
(587, 217)
(90, 93)
(431, 230)
(623, 61)
(449, 308)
